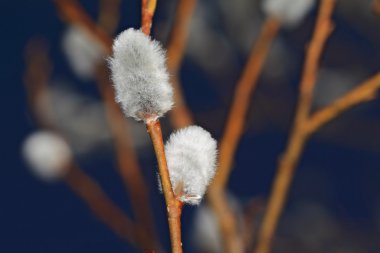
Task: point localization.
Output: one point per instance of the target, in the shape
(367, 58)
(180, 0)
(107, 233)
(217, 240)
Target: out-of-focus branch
(298, 137)
(109, 15)
(73, 13)
(36, 78)
(241, 101)
(180, 115)
(233, 132)
(363, 92)
(92, 194)
(127, 159)
(252, 210)
(376, 7)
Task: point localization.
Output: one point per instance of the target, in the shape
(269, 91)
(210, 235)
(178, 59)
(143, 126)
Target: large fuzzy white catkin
(47, 155)
(140, 76)
(83, 52)
(191, 156)
(289, 12)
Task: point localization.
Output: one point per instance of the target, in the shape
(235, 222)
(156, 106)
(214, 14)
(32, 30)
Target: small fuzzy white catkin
(289, 12)
(140, 76)
(47, 154)
(83, 52)
(191, 156)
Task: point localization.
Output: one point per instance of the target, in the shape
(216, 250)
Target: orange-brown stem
(241, 101)
(148, 8)
(233, 132)
(173, 205)
(298, 136)
(363, 92)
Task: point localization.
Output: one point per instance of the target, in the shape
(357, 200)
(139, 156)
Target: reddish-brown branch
(173, 205)
(232, 134)
(363, 92)
(148, 8)
(298, 137)
(100, 204)
(180, 115)
(74, 14)
(241, 101)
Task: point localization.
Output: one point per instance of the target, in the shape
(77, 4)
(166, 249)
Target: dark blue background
(40, 217)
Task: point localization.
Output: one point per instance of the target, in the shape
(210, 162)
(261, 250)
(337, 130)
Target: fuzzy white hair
(47, 154)
(289, 12)
(140, 76)
(83, 52)
(191, 156)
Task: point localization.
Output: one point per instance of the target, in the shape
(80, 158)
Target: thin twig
(365, 91)
(180, 115)
(241, 100)
(173, 205)
(147, 12)
(298, 137)
(233, 132)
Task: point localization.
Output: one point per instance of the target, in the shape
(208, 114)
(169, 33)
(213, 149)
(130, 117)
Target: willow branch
(148, 8)
(233, 132)
(173, 205)
(363, 92)
(241, 101)
(72, 12)
(180, 115)
(298, 137)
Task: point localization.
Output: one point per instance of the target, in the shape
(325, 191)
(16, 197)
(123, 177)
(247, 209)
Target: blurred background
(334, 203)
